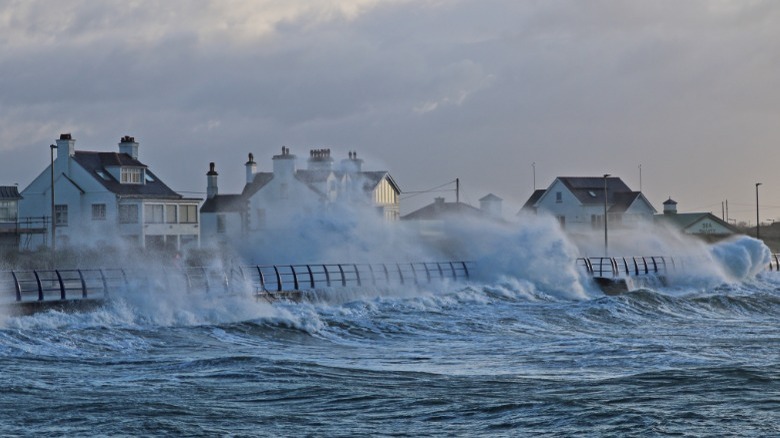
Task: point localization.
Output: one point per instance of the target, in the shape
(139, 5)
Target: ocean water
(499, 358)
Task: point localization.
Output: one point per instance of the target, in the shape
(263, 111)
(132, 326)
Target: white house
(100, 197)
(269, 199)
(578, 203)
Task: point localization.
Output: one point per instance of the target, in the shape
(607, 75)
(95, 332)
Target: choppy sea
(501, 359)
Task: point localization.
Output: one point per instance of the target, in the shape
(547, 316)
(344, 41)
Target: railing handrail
(40, 284)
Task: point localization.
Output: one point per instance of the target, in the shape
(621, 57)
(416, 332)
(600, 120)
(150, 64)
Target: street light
(606, 242)
(53, 221)
(758, 224)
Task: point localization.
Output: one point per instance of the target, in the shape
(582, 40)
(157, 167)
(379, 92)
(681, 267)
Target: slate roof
(224, 203)
(93, 162)
(590, 190)
(9, 193)
(439, 210)
(259, 181)
(529, 204)
(373, 178)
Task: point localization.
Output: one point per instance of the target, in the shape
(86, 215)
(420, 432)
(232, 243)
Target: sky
(491, 92)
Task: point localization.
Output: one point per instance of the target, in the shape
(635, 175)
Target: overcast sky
(431, 90)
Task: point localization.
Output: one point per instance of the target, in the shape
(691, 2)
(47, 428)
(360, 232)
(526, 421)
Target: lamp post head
(758, 184)
(53, 146)
(607, 175)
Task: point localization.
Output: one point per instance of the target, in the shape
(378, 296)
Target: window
(558, 197)
(220, 223)
(131, 175)
(61, 215)
(103, 175)
(98, 212)
(8, 211)
(170, 214)
(128, 214)
(189, 214)
(148, 177)
(153, 213)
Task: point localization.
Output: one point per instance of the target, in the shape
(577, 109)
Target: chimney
(211, 182)
(284, 164)
(251, 169)
(353, 164)
(66, 146)
(128, 145)
(319, 159)
(670, 206)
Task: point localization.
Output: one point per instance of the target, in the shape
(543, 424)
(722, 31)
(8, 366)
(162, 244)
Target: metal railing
(72, 284)
(605, 267)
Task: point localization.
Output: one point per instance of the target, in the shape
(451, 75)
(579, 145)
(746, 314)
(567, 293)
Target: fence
(267, 280)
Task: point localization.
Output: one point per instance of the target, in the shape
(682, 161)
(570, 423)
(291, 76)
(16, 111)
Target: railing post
(295, 278)
(17, 286)
(414, 273)
(62, 285)
(427, 272)
(343, 278)
(105, 282)
(441, 273)
(373, 276)
(278, 279)
(400, 274)
(40, 286)
(261, 277)
(327, 274)
(311, 276)
(357, 275)
(466, 270)
(387, 274)
(205, 274)
(83, 284)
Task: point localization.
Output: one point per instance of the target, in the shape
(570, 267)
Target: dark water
(470, 360)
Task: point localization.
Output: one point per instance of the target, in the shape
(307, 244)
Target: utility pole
(457, 190)
(53, 221)
(606, 241)
(758, 223)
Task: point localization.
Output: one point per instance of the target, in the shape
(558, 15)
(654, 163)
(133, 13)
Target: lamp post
(53, 221)
(758, 224)
(606, 241)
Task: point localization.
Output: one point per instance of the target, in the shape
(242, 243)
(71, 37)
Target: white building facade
(270, 199)
(108, 198)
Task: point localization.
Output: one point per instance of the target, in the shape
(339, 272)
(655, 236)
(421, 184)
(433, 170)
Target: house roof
(440, 209)
(490, 197)
(687, 220)
(93, 162)
(259, 181)
(531, 202)
(373, 178)
(9, 193)
(590, 190)
(224, 204)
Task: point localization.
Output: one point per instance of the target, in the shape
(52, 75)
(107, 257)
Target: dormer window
(131, 175)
